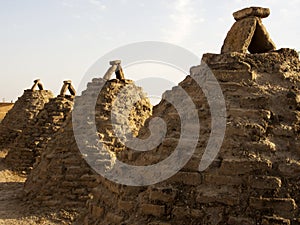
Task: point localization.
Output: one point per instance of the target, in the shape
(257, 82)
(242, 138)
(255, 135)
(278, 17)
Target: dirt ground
(4, 108)
(13, 211)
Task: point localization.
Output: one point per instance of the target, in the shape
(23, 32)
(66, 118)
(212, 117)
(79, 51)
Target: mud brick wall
(24, 110)
(27, 147)
(63, 178)
(255, 177)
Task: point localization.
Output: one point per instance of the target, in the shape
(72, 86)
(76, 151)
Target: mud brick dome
(28, 146)
(255, 177)
(24, 110)
(63, 178)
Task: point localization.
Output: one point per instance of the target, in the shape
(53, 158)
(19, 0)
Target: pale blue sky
(59, 39)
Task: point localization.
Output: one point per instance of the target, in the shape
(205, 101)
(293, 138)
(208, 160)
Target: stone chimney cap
(37, 83)
(115, 62)
(251, 11)
(67, 81)
(248, 33)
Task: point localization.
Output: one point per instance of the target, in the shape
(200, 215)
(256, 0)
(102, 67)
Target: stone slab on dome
(251, 11)
(248, 33)
(240, 35)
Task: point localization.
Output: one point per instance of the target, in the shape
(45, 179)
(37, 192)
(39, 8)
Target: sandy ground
(4, 108)
(13, 211)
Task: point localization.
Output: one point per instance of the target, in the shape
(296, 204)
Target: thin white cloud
(124, 1)
(79, 4)
(98, 4)
(183, 19)
(294, 2)
(67, 4)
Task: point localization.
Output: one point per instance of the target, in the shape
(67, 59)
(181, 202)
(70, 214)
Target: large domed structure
(254, 179)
